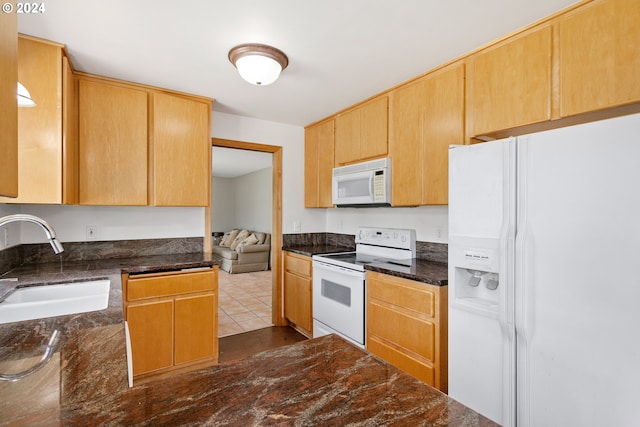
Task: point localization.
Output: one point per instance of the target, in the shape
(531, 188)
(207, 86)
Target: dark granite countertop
(433, 273)
(324, 381)
(91, 360)
(317, 249)
(421, 270)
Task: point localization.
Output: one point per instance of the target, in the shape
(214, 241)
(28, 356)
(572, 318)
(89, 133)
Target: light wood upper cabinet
(600, 56)
(142, 146)
(510, 82)
(112, 144)
(318, 164)
(47, 142)
(8, 104)
(425, 118)
(181, 151)
(362, 133)
(406, 125)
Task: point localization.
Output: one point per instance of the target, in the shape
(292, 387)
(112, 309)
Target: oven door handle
(336, 268)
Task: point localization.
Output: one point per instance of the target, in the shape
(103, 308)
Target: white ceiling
(231, 163)
(340, 51)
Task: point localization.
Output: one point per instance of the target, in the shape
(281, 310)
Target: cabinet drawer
(418, 369)
(402, 293)
(172, 284)
(415, 334)
(297, 264)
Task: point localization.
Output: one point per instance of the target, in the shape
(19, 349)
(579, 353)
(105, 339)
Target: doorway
(276, 219)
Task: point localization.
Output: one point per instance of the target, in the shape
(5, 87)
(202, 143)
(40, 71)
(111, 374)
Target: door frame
(276, 220)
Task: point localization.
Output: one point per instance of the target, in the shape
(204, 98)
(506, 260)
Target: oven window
(336, 292)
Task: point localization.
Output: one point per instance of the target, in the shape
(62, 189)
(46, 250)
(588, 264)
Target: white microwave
(363, 184)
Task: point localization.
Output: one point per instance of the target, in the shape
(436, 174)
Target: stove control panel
(388, 237)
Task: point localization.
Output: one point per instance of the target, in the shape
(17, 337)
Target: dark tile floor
(240, 346)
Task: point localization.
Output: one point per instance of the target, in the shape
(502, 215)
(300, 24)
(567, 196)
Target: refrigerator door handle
(523, 321)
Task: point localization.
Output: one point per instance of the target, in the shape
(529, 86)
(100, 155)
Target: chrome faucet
(51, 234)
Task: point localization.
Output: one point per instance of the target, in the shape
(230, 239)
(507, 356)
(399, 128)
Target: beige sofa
(243, 251)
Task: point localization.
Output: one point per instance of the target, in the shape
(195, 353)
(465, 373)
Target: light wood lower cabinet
(173, 321)
(407, 326)
(297, 292)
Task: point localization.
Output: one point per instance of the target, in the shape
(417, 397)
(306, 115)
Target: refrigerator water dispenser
(477, 288)
(475, 267)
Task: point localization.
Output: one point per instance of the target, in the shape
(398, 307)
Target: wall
(253, 200)
(430, 222)
(291, 139)
(10, 231)
(223, 203)
(114, 223)
(244, 201)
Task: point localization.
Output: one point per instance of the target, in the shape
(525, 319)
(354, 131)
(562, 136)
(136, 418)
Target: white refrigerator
(544, 276)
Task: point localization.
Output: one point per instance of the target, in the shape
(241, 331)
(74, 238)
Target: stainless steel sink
(36, 302)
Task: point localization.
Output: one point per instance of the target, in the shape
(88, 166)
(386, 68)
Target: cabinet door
(181, 151)
(311, 172)
(443, 126)
(374, 135)
(8, 104)
(297, 302)
(112, 144)
(40, 127)
(512, 83)
(325, 163)
(151, 329)
(318, 165)
(348, 137)
(599, 56)
(195, 328)
(362, 133)
(406, 123)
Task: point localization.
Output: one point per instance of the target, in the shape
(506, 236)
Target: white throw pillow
(250, 240)
(229, 237)
(239, 238)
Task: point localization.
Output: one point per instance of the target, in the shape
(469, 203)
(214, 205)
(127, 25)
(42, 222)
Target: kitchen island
(324, 381)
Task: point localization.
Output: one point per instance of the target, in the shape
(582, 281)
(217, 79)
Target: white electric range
(339, 288)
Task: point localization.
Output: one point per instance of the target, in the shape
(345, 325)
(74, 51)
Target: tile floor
(244, 302)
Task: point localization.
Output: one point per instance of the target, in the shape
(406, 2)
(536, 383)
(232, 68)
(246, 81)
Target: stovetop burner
(375, 245)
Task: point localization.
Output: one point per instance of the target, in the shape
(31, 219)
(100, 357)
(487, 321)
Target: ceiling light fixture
(258, 64)
(24, 97)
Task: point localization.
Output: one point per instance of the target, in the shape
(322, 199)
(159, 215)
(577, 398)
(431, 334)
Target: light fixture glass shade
(258, 70)
(258, 64)
(24, 97)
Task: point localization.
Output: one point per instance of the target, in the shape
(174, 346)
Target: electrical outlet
(297, 226)
(91, 232)
(439, 232)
